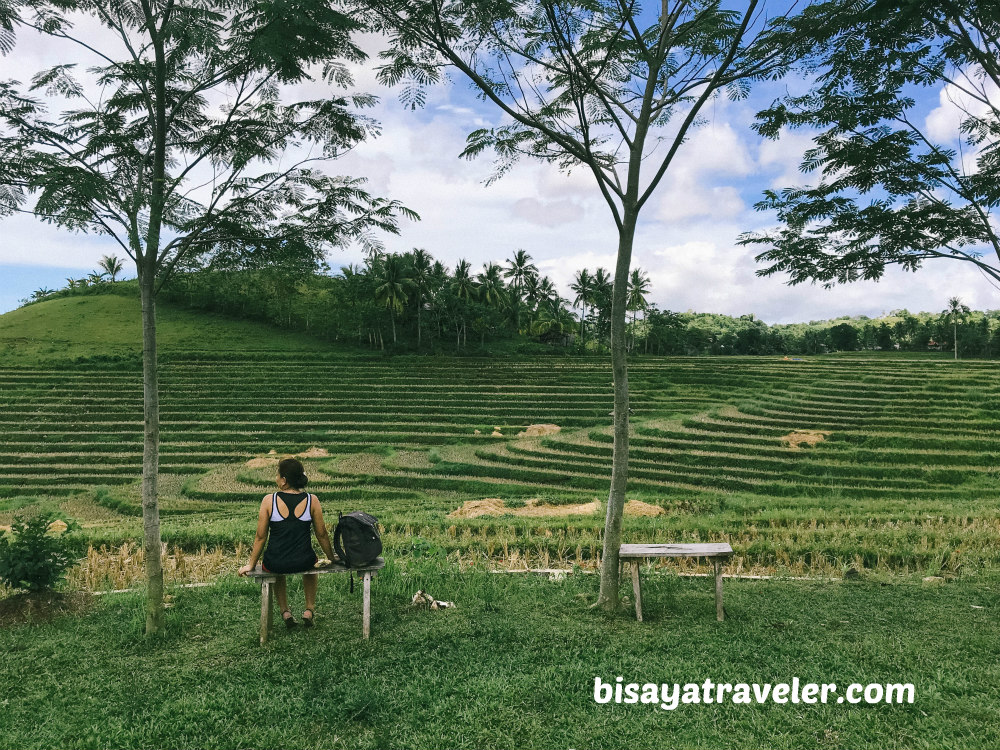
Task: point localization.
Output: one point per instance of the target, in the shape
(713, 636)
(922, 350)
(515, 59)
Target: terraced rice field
(900, 475)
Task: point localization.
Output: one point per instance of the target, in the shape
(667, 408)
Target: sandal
(290, 620)
(307, 621)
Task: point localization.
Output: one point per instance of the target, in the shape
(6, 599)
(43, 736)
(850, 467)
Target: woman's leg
(309, 583)
(281, 591)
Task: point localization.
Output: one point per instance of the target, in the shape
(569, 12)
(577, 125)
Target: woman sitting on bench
(283, 522)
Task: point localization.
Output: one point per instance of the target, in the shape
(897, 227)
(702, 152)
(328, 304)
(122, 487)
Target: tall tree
(583, 287)
(519, 269)
(588, 84)
(956, 313)
(491, 286)
(420, 273)
(601, 302)
(465, 290)
(888, 192)
(638, 288)
(392, 288)
(178, 146)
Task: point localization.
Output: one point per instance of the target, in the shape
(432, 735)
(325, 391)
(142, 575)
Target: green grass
(109, 325)
(512, 667)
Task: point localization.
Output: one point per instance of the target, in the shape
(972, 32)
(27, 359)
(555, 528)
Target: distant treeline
(411, 302)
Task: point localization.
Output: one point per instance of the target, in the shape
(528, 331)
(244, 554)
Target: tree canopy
(891, 189)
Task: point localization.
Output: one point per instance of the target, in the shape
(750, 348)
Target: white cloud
(547, 213)
(955, 105)
(785, 155)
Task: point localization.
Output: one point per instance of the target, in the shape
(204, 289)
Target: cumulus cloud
(783, 157)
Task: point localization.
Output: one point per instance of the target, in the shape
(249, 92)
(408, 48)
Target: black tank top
(289, 545)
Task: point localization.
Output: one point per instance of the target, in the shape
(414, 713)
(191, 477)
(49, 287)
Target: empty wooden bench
(266, 593)
(633, 554)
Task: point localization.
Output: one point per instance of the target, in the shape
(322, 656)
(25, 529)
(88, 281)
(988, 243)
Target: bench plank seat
(675, 550)
(267, 578)
(631, 554)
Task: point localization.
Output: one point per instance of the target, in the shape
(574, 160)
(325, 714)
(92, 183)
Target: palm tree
(491, 289)
(547, 290)
(553, 320)
(391, 287)
(465, 290)
(583, 285)
(492, 294)
(956, 313)
(111, 265)
(532, 291)
(519, 270)
(41, 293)
(638, 288)
(464, 286)
(421, 269)
(600, 300)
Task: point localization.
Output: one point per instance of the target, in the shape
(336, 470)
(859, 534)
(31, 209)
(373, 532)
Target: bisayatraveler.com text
(669, 696)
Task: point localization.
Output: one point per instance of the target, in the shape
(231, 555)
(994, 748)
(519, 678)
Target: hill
(108, 325)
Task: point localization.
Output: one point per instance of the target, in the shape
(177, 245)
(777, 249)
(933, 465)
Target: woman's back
(289, 547)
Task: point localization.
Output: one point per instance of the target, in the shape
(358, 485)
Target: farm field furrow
(887, 463)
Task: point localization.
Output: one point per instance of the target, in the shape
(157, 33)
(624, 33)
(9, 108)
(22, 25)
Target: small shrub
(30, 557)
(433, 456)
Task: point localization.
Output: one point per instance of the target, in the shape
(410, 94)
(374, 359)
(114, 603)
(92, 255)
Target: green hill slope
(109, 325)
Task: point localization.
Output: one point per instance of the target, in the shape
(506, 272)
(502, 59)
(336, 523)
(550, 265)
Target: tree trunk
(608, 597)
(956, 340)
(151, 459)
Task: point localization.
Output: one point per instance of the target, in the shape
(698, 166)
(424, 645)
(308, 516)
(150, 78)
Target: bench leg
(720, 612)
(265, 610)
(367, 613)
(637, 590)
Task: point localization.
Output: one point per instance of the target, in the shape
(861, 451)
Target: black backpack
(356, 539)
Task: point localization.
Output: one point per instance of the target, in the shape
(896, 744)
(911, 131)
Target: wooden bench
(633, 554)
(266, 591)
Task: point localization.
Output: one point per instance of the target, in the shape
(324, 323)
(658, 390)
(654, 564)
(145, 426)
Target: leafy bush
(30, 557)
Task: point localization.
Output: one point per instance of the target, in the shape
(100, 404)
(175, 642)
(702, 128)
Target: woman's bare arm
(319, 526)
(263, 520)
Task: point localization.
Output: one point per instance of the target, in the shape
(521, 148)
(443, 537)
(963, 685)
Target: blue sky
(686, 239)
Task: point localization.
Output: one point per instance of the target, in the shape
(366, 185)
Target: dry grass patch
(539, 430)
(124, 567)
(534, 508)
(272, 458)
(797, 438)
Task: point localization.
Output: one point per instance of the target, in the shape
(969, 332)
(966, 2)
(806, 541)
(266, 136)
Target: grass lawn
(512, 667)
